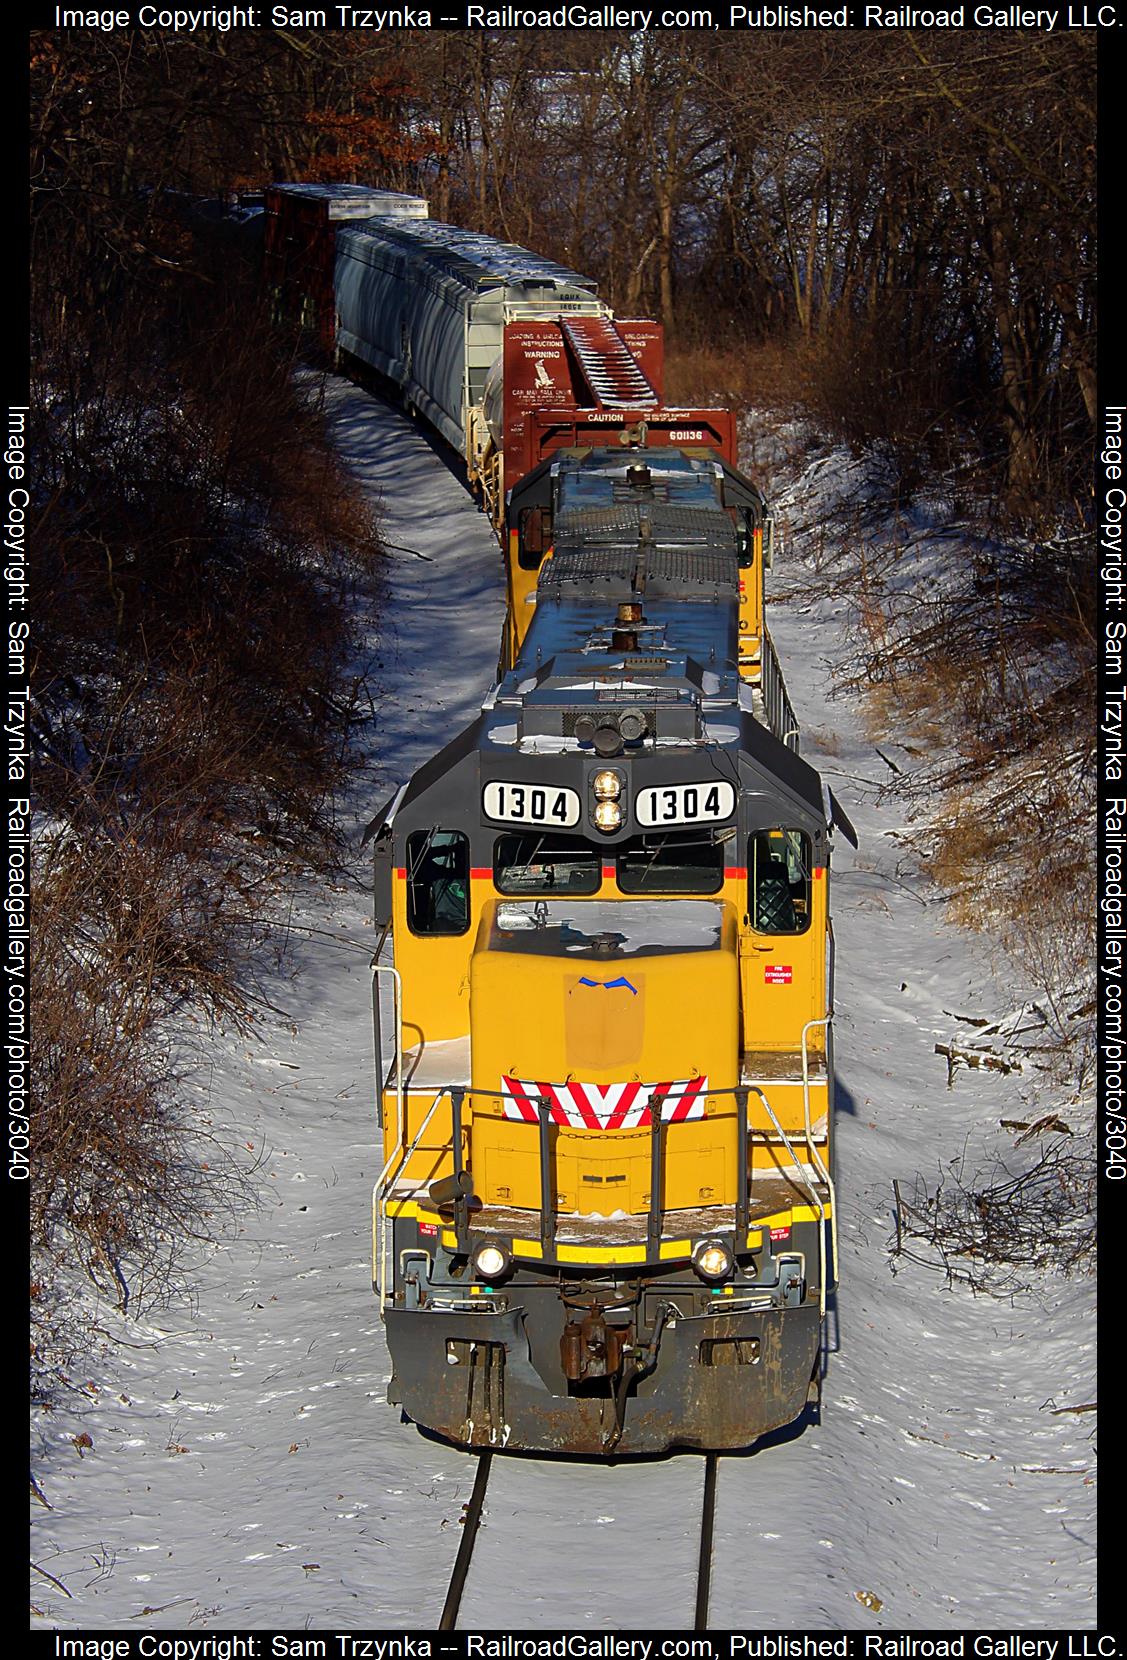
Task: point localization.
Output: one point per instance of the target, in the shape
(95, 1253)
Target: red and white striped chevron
(605, 1106)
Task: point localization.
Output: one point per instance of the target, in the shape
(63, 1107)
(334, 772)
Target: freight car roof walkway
(608, 365)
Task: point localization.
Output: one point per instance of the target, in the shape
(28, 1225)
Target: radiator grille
(689, 572)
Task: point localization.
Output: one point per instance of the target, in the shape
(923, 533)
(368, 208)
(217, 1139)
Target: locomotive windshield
(658, 862)
(538, 863)
(669, 862)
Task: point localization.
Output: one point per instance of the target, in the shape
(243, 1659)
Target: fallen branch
(992, 1235)
(53, 1580)
(978, 1058)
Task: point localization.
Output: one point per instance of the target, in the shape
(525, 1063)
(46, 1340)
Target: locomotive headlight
(608, 786)
(608, 816)
(713, 1259)
(492, 1261)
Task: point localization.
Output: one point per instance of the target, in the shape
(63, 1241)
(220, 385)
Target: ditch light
(492, 1261)
(713, 1259)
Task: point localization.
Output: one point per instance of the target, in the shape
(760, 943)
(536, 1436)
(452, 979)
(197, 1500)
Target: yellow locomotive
(605, 1221)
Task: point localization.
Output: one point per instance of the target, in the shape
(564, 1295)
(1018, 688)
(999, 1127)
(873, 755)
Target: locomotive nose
(581, 1005)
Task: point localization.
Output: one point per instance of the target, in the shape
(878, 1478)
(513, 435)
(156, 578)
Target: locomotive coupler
(592, 1347)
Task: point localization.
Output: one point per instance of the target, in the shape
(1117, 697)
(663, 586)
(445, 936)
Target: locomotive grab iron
(606, 1221)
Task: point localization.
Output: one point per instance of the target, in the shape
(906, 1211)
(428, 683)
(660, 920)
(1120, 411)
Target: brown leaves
(190, 722)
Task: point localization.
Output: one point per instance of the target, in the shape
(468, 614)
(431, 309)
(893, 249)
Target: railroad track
(472, 1522)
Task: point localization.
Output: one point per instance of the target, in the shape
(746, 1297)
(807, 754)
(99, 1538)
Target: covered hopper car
(606, 1220)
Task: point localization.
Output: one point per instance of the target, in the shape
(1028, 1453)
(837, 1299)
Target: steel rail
(472, 1522)
(704, 1560)
(449, 1619)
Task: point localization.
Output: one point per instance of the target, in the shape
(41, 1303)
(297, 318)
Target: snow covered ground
(243, 1469)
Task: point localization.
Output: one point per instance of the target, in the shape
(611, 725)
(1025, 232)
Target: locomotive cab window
(745, 537)
(438, 882)
(778, 874)
(672, 862)
(545, 864)
(534, 536)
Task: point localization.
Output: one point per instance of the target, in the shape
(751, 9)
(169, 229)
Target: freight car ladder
(607, 364)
